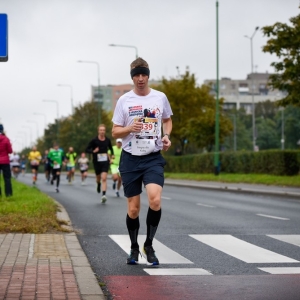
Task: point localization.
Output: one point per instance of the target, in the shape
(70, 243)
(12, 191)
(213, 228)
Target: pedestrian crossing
(227, 244)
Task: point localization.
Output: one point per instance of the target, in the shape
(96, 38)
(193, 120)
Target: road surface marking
(167, 198)
(242, 250)
(293, 239)
(272, 217)
(174, 272)
(164, 254)
(205, 205)
(283, 270)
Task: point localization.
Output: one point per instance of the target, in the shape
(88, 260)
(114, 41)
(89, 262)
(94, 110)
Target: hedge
(275, 162)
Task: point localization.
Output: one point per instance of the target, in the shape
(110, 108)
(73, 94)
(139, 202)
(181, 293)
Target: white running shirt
(151, 108)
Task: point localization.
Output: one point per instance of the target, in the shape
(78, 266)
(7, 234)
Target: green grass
(293, 181)
(28, 211)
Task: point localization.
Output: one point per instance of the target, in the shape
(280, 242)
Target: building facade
(238, 92)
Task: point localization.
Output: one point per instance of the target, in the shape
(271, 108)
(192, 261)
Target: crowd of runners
(105, 158)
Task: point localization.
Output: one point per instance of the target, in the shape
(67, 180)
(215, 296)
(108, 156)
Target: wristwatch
(167, 135)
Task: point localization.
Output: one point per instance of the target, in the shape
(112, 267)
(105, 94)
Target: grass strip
(28, 211)
(292, 181)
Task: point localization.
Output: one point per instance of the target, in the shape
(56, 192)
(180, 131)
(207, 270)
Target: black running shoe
(133, 257)
(57, 190)
(117, 194)
(98, 188)
(51, 181)
(114, 185)
(149, 254)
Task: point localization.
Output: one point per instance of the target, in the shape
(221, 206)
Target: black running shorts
(101, 167)
(138, 170)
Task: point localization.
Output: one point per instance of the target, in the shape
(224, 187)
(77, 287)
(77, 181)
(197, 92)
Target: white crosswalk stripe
(242, 250)
(293, 239)
(228, 244)
(164, 253)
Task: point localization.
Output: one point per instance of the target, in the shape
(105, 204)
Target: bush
(273, 162)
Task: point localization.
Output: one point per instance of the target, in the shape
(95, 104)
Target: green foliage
(193, 112)
(284, 41)
(273, 162)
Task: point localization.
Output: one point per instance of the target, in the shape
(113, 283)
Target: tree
(193, 112)
(284, 43)
(267, 135)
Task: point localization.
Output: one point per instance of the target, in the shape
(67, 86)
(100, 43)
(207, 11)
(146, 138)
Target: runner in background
(34, 158)
(99, 147)
(56, 157)
(70, 158)
(15, 164)
(114, 167)
(83, 163)
(23, 162)
(47, 168)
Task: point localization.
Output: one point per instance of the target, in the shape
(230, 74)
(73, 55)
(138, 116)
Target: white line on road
(174, 272)
(283, 270)
(167, 198)
(293, 239)
(164, 254)
(205, 205)
(272, 217)
(242, 250)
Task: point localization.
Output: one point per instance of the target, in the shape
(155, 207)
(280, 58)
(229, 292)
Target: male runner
(71, 157)
(142, 118)
(56, 157)
(34, 158)
(99, 146)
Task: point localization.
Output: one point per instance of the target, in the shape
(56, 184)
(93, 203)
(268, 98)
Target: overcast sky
(48, 37)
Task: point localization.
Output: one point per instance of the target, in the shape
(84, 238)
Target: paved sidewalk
(46, 266)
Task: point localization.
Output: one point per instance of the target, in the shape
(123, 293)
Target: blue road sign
(3, 37)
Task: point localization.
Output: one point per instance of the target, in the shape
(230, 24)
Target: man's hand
(96, 150)
(166, 143)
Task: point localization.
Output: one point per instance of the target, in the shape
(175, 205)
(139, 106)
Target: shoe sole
(132, 262)
(148, 263)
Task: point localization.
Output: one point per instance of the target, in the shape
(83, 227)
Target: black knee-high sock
(133, 226)
(57, 180)
(153, 218)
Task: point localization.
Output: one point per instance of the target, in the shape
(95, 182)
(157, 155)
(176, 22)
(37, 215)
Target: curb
(226, 188)
(88, 285)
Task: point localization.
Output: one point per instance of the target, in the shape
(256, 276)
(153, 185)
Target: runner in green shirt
(114, 167)
(56, 157)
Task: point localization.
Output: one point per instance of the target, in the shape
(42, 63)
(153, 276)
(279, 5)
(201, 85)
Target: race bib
(150, 127)
(142, 146)
(57, 166)
(102, 157)
(83, 167)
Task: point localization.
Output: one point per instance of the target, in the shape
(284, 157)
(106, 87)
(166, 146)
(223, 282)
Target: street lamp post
(99, 95)
(45, 118)
(24, 134)
(71, 89)
(127, 46)
(37, 127)
(252, 88)
(216, 155)
(57, 114)
(282, 129)
(30, 134)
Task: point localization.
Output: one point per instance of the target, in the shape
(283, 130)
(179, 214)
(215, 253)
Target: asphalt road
(211, 244)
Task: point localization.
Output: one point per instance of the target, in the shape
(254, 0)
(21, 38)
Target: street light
(282, 129)
(71, 89)
(99, 96)
(24, 134)
(57, 113)
(127, 46)
(216, 156)
(37, 127)
(252, 88)
(30, 134)
(45, 118)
